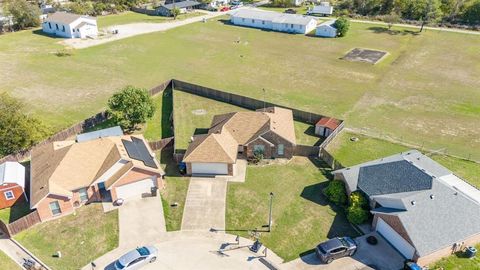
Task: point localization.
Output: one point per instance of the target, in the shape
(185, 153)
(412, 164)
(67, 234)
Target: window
(9, 195)
(50, 25)
(83, 194)
(63, 28)
(55, 207)
(281, 149)
(137, 260)
(56, 25)
(258, 148)
(243, 19)
(253, 21)
(263, 22)
(291, 25)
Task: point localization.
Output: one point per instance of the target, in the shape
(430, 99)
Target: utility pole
(270, 215)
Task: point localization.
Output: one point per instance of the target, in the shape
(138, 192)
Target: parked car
(411, 265)
(290, 11)
(237, 4)
(137, 258)
(335, 248)
(223, 9)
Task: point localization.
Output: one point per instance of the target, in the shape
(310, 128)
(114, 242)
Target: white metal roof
(276, 17)
(12, 172)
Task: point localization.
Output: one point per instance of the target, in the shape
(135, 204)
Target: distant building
(183, 6)
(290, 23)
(326, 125)
(326, 29)
(12, 183)
(70, 25)
(324, 9)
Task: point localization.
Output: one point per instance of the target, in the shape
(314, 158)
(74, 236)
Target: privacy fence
(20, 224)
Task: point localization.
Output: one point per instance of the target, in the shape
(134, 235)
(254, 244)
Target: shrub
(357, 198)
(335, 192)
(357, 214)
(342, 26)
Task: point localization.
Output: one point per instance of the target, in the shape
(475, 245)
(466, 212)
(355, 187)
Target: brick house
(268, 131)
(65, 175)
(421, 208)
(12, 183)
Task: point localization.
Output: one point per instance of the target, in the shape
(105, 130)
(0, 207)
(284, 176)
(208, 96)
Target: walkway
(14, 251)
(205, 204)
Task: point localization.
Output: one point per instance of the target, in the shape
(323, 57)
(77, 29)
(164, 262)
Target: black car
(335, 248)
(290, 11)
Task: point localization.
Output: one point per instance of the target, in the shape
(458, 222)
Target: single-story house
(326, 125)
(67, 174)
(183, 6)
(70, 25)
(324, 9)
(290, 23)
(421, 208)
(326, 29)
(268, 131)
(12, 183)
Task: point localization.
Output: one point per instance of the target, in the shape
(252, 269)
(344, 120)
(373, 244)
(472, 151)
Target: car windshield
(143, 251)
(119, 265)
(321, 249)
(344, 242)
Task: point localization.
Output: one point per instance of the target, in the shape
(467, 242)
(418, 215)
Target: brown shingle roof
(214, 147)
(65, 18)
(281, 122)
(328, 122)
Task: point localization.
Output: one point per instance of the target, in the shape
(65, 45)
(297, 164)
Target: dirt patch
(199, 112)
(364, 55)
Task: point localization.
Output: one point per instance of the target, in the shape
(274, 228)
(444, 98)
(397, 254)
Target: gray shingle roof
(276, 17)
(183, 4)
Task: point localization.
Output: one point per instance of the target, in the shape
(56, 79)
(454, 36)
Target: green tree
(471, 12)
(342, 25)
(24, 14)
(356, 214)
(175, 12)
(18, 130)
(391, 19)
(130, 107)
(335, 192)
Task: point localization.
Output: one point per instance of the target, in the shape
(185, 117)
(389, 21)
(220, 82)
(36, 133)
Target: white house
(324, 9)
(70, 25)
(326, 29)
(290, 23)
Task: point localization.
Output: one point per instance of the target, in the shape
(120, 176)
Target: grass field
(424, 92)
(81, 238)
(7, 263)
(458, 262)
(302, 217)
(134, 17)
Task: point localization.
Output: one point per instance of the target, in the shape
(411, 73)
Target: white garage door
(395, 239)
(209, 168)
(135, 189)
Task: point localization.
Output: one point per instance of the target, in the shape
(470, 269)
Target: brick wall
(44, 211)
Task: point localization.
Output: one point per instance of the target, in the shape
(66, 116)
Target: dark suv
(335, 248)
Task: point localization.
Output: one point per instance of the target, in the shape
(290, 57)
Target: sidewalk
(13, 251)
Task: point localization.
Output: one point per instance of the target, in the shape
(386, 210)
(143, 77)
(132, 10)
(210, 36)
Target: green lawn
(350, 153)
(159, 126)
(458, 262)
(175, 191)
(424, 92)
(134, 17)
(7, 263)
(299, 10)
(18, 210)
(81, 238)
(302, 217)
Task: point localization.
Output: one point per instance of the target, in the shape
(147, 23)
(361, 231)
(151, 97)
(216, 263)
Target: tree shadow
(200, 131)
(167, 113)
(384, 30)
(19, 209)
(166, 157)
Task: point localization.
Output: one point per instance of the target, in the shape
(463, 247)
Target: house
(12, 183)
(326, 125)
(324, 9)
(268, 131)
(290, 23)
(418, 206)
(326, 29)
(215, 4)
(67, 174)
(106, 132)
(183, 6)
(70, 25)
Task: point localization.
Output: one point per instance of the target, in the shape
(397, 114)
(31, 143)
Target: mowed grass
(350, 153)
(18, 210)
(193, 115)
(81, 238)
(159, 125)
(7, 263)
(424, 92)
(134, 17)
(458, 262)
(302, 217)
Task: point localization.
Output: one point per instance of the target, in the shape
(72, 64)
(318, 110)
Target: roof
(330, 23)
(215, 147)
(62, 167)
(65, 18)
(328, 122)
(276, 17)
(182, 4)
(12, 172)
(322, 9)
(106, 132)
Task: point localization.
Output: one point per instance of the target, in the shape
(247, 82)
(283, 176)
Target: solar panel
(137, 149)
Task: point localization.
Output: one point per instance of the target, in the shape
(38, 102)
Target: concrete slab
(240, 172)
(205, 204)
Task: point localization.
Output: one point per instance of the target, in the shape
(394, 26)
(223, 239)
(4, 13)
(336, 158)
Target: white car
(137, 258)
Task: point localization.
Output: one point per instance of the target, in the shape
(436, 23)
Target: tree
(358, 211)
(175, 12)
(432, 13)
(335, 192)
(471, 12)
(25, 15)
(18, 131)
(130, 107)
(342, 25)
(391, 19)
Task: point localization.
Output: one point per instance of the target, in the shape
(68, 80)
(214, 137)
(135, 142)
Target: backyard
(80, 238)
(135, 17)
(302, 217)
(18, 210)
(7, 263)
(424, 92)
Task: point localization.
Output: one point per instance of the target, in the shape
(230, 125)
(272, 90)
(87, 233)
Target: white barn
(70, 25)
(290, 23)
(326, 29)
(324, 9)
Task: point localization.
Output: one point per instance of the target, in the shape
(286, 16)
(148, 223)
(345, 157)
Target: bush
(357, 198)
(357, 214)
(342, 26)
(25, 15)
(335, 192)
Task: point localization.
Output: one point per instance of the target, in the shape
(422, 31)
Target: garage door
(209, 168)
(395, 239)
(135, 189)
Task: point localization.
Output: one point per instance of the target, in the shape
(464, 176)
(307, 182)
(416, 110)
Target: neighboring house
(183, 6)
(12, 183)
(290, 23)
(67, 174)
(270, 132)
(419, 206)
(326, 125)
(324, 9)
(215, 4)
(326, 29)
(70, 25)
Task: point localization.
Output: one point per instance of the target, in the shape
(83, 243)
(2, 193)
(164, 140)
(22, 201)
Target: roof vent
(418, 158)
(413, 202)
(192, 139)
(432, 196)
(455, 193)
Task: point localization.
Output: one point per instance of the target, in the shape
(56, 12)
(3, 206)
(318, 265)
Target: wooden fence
(20, 224)
(330, 160)
(306, 151)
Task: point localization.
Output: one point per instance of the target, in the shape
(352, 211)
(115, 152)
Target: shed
(326, 29)
(326, 125)
(324, 9)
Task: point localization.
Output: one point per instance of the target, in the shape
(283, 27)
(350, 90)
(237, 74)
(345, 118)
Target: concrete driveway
(141, 221)
(205, 204)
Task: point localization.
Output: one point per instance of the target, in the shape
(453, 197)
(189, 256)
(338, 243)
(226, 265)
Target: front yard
(135, 17)
(7, 263)
(80, 238)
(302, 217)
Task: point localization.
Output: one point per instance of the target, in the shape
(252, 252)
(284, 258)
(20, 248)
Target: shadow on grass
(384, 30)
(167, 110)
(228, 22)
(41, 33)
(166, 157)
(20, 209)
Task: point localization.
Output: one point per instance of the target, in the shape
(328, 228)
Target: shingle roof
(214, 147)
(276, 17)
(182, 4)
(12, 172)
(65, 18)
(328, 122)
